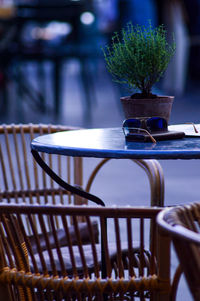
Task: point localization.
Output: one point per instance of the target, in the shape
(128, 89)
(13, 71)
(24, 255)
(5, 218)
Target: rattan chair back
(121, 266)
(183, 225)
(22, 180)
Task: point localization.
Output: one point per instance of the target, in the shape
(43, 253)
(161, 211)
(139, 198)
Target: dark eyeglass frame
(138, 133)
(151, 124)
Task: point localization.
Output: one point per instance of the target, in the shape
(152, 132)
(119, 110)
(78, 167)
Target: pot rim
(159, 98)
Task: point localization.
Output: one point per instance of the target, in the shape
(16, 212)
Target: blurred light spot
(87, 18)
(51, 31)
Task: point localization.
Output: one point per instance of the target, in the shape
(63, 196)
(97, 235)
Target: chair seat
(87, 249)
(61, 235)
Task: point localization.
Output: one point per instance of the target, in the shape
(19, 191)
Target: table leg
(63, 184)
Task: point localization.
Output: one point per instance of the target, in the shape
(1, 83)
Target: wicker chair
(182, 223)
(22, 180)
(120, 267)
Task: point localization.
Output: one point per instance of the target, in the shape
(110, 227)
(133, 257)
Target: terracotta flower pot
(160, 107)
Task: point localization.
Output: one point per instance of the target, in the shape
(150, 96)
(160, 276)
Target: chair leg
(25, 90)
(87, 85)
(3, 100)
(19, 91)
(57, 85)
(41, 83)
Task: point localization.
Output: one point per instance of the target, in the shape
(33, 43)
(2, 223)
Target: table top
(111, 143)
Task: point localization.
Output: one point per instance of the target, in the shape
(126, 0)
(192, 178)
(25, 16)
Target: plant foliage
(139, 56)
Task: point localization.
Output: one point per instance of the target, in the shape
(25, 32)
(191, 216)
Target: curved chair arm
(181, 224)
(154, 172)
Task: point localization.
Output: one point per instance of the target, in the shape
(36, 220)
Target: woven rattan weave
(124, 266)
(182, 223)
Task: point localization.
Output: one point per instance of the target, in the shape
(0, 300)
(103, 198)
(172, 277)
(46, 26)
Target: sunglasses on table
(142, 128)
(151, 124)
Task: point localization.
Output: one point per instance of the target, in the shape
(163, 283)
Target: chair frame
(182, 224)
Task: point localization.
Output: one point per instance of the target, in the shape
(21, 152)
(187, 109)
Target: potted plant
(139, 57)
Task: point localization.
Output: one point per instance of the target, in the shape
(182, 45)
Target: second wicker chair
(182, 224)
(126, 264)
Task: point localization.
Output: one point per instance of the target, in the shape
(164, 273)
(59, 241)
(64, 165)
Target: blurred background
(52, 70)
(52, 67)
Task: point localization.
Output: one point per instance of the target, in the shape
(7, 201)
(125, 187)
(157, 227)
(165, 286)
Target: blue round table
(111, 143)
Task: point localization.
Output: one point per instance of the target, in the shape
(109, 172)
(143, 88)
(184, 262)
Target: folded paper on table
(188, 129)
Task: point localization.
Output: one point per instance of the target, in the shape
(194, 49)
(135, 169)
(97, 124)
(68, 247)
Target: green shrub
(139, 56)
